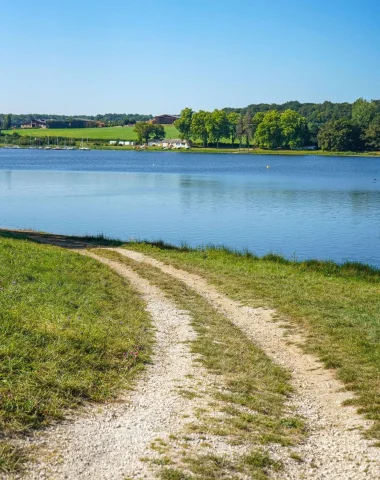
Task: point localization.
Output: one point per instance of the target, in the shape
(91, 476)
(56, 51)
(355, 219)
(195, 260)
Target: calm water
(302, 206)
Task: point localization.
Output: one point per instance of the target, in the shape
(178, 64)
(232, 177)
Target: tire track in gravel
(110, 444)
(335, 447)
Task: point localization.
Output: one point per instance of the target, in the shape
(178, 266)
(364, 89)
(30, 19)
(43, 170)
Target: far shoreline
(231, 151)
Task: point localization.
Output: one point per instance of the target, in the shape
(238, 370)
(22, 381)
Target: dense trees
(269, 133)
(347, 129)
(340, 135)
(146, 131)
(110, 119)
(266, 130)
(294, 130)
(313, 112)
(371, 136)
(363, 112)
(7, 121)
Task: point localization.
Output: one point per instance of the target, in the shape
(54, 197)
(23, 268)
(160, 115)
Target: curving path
(335, 447)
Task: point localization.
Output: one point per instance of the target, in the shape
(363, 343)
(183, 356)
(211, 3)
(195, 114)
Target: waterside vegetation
(285, 129)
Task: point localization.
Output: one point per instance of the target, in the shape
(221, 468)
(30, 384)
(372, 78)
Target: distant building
(164, 119)
(34, 124)
(170, 143)
(126, 143)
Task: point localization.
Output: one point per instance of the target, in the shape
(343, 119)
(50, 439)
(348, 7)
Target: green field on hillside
(108, 133)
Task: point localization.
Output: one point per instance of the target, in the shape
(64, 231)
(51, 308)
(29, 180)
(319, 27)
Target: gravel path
(335, 448)
(109, 444)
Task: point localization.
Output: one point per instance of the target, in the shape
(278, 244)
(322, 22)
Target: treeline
(109, 119)
(318, 113)
(287, 129)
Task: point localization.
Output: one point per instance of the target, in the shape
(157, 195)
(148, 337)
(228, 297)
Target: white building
(175, 143)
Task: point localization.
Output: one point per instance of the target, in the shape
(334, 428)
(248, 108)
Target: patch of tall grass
(67, 325)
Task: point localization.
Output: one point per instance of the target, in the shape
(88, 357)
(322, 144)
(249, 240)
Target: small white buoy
(268, 166)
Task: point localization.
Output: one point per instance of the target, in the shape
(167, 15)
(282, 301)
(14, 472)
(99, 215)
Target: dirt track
(111, 443)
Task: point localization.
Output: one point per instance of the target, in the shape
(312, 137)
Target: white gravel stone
(335, 447)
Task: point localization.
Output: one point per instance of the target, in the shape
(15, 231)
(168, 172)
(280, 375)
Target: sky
(159, 56)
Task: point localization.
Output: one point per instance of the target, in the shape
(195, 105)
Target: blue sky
(159, 56)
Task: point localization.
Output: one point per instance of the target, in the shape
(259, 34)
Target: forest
(328, 126)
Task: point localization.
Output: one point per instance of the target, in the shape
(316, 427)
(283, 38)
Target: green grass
(107, 133)
(248, 379)
(67, 325)
(337, 307)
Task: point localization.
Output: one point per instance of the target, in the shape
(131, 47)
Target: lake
(300, 207)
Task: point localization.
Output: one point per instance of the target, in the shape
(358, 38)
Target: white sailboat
(82, 147)
(48, 147)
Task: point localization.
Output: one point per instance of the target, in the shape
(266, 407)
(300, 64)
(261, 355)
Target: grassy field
(337, 307)
(108, 133)
(67, 327)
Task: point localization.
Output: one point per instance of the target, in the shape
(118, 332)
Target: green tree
(293, 129)
(157, 132)
(217, 126)
(146, 130)
(314, 129)
(240, 129)
(183, 124)
(233, 120)
(7, 121)
(248, 128)
(340, 136)
(142, 130)
(371, 135)
(257, 119)
(268, 133)
(363, 112)
(199, 124)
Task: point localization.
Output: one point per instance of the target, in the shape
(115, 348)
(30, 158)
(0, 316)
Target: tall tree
(217, 126)
(183, 124)
(248, 128)
(363, 112)
(240, 129)
(257, 119)
(233, 119)
(269, 133)
(314, 129)
(371, 135)
(340, 136)
(7, 121)
(199, 124)
(294, 129)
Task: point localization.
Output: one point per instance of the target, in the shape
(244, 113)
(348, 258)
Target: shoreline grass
(234, 151)
(67, 324)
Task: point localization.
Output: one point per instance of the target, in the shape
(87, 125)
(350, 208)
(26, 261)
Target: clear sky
(159, 56)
